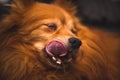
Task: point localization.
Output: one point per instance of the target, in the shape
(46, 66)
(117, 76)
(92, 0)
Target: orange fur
(23, 36)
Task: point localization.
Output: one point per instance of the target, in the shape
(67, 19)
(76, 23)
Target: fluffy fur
(23, 36)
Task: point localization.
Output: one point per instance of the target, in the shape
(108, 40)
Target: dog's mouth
(57, 53)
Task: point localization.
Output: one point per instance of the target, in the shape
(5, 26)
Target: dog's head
(48, 28)
(38, 37)
(53, 34)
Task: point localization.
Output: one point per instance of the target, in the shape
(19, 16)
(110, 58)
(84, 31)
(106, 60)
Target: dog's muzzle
(56, 48)
(58, 52)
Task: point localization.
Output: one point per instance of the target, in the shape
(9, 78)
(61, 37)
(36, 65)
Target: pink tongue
(56, 48)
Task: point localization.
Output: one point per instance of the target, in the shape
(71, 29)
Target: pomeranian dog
(40, 41)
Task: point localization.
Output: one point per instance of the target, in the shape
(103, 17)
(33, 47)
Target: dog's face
(53, 33)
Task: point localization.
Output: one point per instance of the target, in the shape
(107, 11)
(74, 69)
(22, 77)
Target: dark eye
(52, 26)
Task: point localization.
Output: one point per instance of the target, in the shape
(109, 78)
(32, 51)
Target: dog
(40, 41)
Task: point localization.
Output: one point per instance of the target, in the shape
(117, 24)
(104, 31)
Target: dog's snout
(75, 43)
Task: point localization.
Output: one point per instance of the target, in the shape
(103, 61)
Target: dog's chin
(53, 62)
(57, 62)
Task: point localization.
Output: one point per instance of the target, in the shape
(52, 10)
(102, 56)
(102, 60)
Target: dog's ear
(17, 9)
(22, 4)
(68, 5)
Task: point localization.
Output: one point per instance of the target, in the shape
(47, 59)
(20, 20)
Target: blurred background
(3, 1)
(103, 14)
(3, 9)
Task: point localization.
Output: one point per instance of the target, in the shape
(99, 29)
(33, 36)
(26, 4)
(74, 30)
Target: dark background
(103, 14)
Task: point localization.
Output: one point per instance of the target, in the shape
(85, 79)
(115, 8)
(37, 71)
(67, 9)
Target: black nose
(74, 43)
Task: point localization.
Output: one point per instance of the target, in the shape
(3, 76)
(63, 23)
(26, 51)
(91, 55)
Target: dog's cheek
(41, 34)
(39, 45)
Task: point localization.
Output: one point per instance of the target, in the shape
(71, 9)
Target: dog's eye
(74, 30)
(52, 26)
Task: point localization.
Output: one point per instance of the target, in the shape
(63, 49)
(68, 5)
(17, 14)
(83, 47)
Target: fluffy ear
(22, 4)
(67, 5)
(17, 8)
